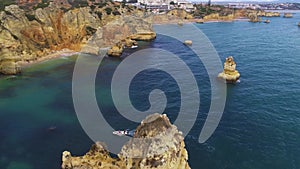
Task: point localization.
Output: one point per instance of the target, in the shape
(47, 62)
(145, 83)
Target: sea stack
(288, 15)
(156, 144)
(230, 74)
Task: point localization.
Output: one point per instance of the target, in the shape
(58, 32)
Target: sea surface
(260, 127)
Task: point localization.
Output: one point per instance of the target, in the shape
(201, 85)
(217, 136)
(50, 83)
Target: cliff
(162, 147)
(27, 36)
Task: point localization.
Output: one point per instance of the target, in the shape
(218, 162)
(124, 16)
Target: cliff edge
(156, 144)
(29, 35)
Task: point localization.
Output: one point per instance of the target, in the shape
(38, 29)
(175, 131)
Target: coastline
(68, 52)
(51, 56)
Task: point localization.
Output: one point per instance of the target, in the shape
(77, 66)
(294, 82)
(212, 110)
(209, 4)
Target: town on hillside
(156, 6)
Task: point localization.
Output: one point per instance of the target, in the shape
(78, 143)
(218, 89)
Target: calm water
(260, 127)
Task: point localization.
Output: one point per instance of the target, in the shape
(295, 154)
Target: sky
(250, 0)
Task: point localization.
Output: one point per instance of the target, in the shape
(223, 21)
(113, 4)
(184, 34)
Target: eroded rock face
(122, 31)
(156, 144)
(29, 36)
(217, 16)
(230, 74)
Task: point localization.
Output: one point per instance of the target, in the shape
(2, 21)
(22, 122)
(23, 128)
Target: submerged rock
(156, 144)
(230, 74)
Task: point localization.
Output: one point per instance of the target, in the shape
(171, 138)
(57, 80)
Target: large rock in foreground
(230, 74)
(156, 144)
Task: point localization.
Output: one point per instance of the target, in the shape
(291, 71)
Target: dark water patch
(6, 93)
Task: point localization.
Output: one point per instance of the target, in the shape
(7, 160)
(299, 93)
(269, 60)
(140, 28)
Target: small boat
(126, 132)
(134, 46)
(267, 21)
(299, 24)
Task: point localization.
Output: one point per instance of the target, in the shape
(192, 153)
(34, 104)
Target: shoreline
(48, 57)
(195, 21)
(68, 52)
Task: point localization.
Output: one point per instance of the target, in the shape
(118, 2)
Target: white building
(183, 4)
(165, 4)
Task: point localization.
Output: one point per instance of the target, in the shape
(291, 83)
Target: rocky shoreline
(29, 36)
(156, 144)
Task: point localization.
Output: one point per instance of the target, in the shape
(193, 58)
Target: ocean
(259, 129)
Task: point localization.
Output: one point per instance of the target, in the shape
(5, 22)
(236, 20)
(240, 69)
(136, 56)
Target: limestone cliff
(230, 74)
(161, 146)
(218, 17)
(28, 35)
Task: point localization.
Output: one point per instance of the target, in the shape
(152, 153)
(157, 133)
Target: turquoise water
(260, 127)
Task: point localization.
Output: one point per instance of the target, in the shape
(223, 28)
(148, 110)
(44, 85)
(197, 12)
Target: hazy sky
(249, 0)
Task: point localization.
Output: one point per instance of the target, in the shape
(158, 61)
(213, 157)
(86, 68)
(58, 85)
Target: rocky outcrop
(122, 31)
(230, 74)
(180, 13)
(116, 50)
(27, 36)
(267, 14)
(253, 17)
(175, 16)
(288, 15)
(272, 14)
(156, 144)
(218, 17)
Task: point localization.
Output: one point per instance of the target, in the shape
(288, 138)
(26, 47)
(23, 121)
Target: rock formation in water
(28, 35)
(253, 17)
(230, 74)
(288, 15)
(162, 147)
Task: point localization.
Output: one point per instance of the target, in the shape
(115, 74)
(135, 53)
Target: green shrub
(99, 14)
(41, 5)
(30, 17)
(116, 13)
(108, 10)
(101, 5)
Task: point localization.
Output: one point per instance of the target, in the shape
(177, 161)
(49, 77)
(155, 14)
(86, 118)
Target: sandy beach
(54, 55)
